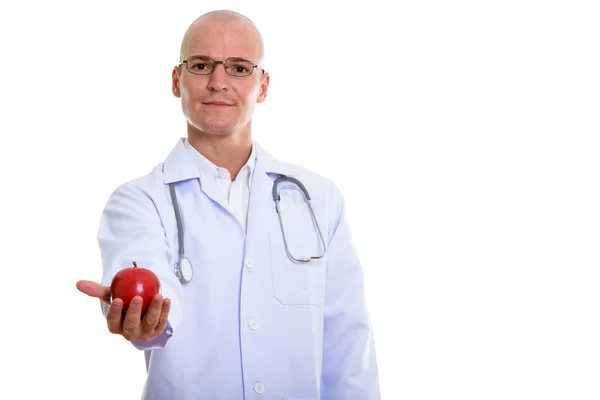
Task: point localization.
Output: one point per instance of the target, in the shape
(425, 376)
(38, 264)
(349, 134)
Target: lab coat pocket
(296, 283)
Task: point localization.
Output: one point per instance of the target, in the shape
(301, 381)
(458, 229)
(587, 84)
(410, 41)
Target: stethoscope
(183, 267)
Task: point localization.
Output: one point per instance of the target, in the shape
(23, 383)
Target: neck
(225, 151)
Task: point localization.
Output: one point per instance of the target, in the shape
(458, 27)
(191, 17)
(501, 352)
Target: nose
(218, 80)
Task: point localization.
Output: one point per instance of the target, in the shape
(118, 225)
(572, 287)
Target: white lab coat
(252, 324)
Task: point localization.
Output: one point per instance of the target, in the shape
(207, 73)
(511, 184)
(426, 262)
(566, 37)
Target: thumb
(94, 289)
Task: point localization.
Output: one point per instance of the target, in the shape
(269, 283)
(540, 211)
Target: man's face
(220, 104)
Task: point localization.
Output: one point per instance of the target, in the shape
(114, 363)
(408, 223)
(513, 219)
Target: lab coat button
(254, 324)
(259, 388)
(249, 263)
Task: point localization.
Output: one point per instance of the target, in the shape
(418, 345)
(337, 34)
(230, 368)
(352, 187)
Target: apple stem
(134, 265)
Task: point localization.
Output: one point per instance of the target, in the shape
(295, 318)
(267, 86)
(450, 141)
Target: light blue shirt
(252, 324)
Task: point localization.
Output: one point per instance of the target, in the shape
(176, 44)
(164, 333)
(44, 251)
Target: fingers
(164, 317)
(94, 289)
(152, 315)
(113, 316)
(131, 322)
(132, 326)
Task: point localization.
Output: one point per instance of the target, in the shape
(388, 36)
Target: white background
(463, 134)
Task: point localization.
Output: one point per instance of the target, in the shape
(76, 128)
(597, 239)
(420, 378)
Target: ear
(175, 78)
(264, 87)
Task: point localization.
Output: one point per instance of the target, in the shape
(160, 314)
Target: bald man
(271, 304)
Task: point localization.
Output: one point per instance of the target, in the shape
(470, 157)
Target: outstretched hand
(132, 325)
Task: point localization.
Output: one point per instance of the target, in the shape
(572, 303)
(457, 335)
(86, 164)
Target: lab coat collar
(179, 164)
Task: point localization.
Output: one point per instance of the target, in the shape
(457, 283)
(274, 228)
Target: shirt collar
(180, 164)
(211, 169)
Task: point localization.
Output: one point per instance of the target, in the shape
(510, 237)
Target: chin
(216, 128)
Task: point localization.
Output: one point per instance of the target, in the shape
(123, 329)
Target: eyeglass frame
(217, 62)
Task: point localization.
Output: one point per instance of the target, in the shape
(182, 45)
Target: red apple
(135, 281)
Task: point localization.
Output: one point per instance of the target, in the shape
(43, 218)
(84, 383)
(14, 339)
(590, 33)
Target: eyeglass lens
(203, 65)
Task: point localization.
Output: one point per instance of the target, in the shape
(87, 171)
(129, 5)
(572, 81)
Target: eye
(199, 66)
(238, 67)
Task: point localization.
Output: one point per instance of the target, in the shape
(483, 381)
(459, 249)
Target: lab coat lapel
(267, 169)
(259, 194)
(179, 166)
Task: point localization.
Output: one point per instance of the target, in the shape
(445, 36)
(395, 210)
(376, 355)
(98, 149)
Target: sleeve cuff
(157, 342)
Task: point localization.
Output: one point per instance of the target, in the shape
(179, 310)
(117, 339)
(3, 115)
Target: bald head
(223, 18)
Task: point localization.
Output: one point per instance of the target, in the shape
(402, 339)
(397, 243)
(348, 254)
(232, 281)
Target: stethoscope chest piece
(183, 270)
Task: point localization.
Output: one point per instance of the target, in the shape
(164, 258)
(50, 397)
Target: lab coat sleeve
(131, 230)
(349, 368)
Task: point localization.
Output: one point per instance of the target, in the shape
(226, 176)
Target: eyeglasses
(234, 66)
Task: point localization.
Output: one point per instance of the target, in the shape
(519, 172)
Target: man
(256, 320)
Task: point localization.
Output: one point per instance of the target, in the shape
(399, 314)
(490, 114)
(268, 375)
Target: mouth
(217, 104)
